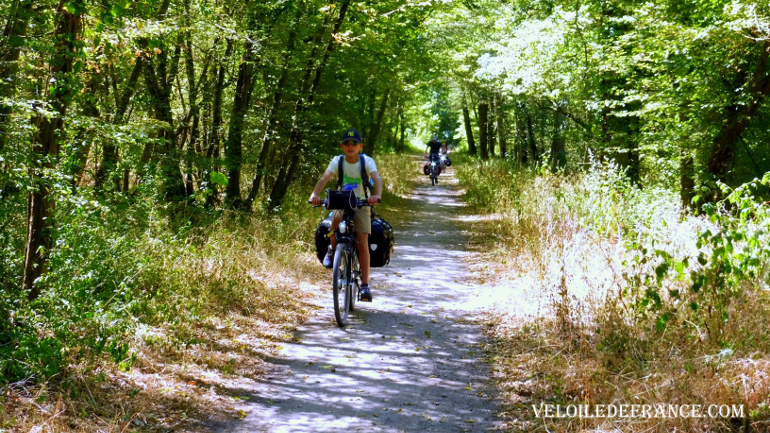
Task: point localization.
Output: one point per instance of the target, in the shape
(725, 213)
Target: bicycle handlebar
(359, 203)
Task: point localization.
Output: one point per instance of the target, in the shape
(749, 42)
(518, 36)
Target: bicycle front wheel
(355, 286)
(341, 285)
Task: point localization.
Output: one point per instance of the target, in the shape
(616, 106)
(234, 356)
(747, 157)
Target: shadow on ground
(409, 361)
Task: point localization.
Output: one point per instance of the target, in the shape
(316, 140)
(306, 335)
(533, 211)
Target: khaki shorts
(362, 220)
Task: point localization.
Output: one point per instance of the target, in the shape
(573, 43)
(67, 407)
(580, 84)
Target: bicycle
(444, 161)
(346, 268)
(434, 168)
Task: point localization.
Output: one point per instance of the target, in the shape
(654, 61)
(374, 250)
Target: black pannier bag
(340, 200)
(322, 240)
(381, 242)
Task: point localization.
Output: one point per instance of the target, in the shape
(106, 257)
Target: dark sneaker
(366, 294)
(329, 258)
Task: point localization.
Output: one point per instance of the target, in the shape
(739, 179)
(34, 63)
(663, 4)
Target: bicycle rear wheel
(341, 285)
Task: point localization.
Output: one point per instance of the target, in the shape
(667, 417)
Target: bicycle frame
(434, 160)
(350, 240)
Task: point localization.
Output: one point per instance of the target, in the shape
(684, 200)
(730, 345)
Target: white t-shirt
(351, 180)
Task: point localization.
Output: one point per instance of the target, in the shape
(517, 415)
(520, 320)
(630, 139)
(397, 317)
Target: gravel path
(407, 362)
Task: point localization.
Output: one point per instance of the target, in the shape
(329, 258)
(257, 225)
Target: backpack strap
(364, 175)
(340, 168)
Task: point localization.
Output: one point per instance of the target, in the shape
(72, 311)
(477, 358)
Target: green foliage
(139, 161)
(489, 185)
(731, 255)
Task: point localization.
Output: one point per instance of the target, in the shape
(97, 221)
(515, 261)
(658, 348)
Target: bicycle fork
(355, 275)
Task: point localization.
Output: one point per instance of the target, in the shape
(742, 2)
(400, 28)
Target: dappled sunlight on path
(409, 361)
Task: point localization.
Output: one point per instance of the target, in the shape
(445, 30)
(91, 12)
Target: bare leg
(336, 219)
(363, 255)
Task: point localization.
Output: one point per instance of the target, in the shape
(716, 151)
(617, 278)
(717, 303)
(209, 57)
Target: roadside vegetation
(613, 295)
(144, 322)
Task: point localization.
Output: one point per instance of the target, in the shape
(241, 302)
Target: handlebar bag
(322, 240)
(341, 200)
(381, 242)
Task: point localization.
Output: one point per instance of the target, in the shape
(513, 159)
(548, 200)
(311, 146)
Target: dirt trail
(407, 362)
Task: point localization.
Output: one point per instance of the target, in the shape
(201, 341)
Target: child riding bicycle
(351, 146)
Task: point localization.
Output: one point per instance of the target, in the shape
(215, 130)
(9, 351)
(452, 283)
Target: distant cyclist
(445, 153)
(433, 148)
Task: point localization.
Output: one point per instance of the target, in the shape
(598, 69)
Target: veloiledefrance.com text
(638, 411)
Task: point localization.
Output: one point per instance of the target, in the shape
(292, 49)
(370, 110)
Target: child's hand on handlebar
(315, 200)
(374, 199)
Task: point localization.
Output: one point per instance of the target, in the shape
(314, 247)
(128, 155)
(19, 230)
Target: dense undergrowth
(148, 308)
(629, 302)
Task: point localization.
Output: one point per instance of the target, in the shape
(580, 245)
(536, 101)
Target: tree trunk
(14, 35)
(40, 222)
(370, 116)
(521, 135)
(402, 125)
(216, 109)
(491, 136)
(501, 138)
(193, 99)
(483, 130)
(84, 136)
(110, 152)
(392, 132)
(286, 174)
(558, 145)
(686, 179)
(531, 137)
(158, 82)
(723, 151)
(369, 146)
(468, 128)
(160, 96)
(212, 153)
(234, 143)
(272, 116)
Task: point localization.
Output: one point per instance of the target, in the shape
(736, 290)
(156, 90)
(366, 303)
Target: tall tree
(234, 143)
(291, 160)
(402, 126)
(110, 150)
(468, 128)
(491, 115)
(46, 144)
(159, 79)
(14, 36)
(272, 115)
(374, 133)
(739, 116)
(484, 130)
(558, 144)
(501, 133)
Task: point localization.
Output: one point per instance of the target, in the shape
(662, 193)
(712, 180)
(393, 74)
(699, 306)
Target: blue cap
(351, 134)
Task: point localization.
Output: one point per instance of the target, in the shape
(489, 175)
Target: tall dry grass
(569, 328)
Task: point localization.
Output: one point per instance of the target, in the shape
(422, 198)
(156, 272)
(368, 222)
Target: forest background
(155, 159)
